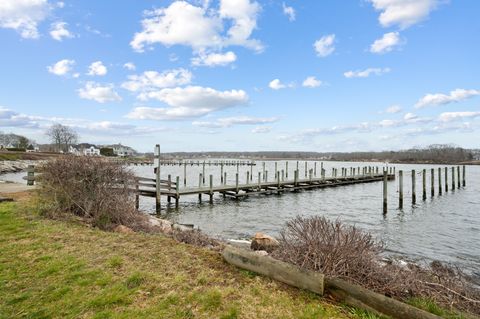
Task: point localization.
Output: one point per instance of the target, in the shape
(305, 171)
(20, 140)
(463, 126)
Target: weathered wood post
(248, 177)
(385, 180)
(297, 165)
(251, 171)
(439, 181)
(424, 186)
(259, 181)
(199, 186)
(236, 183)
(315, 169)
(185, 174)
(414, 195)
(286, 170)
(283, 175)
(306, 168)
(458, 178)
(221, 173)
(238, 167)
(446, 179)
(310, 173)
(169, 185)
(137, 195)
(453, 178)
(263, 170)
(177, 191)
(295, 178)
(400, 189)
(432, 182)
(211, 188)
(225, 178)
(266, 176)
(30, 175)
(157, 179)
(276, 167)
(203, 173)
(463, 180)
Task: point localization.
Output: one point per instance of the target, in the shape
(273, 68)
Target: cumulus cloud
(366, 73)
(325, 45)
(59, 31)
(62, 67)
(386, 43)
(237, 120)
(97, 68)
(99, 93)
(188, 102)
(129, 66)
(200, 27)
(311, 82)
(403, 13)
(261, 129)
(393, 109)
(24, 16)
(456, 95)
(214, 59)
(452, 116)
(150, 81)
(276, 85)
(289, 12)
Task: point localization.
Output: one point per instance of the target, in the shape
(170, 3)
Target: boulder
(123, 230)
(264, 242)
(164, 225)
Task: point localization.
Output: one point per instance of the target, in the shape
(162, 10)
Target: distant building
(91, 151)
(73, 150)
(122, 150)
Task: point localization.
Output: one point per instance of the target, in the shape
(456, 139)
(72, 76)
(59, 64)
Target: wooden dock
(164, 162)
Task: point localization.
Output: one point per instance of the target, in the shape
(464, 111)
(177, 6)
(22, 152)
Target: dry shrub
(94, 189)
(342, 251)
(195, 237)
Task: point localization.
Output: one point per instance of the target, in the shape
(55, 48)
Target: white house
(122, 150)
(73, 150)
(91, 151)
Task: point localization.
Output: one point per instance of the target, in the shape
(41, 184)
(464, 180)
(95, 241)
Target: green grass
(9, 157)
(56, 269)
(432, 307)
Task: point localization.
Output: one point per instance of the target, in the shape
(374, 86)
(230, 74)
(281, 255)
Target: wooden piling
(251, 172)
(463, 180)
(225, 178)
(185, 174)
(211, 188)
(385, 179)
(203, 173)
(306, 168)
(199, 186)
(458, 178)
(446, 179)
(259, 181)
(248, 178)
(424, 186)
(453, 178)
(432, 182)
(414, 195)
(286, 169)
(263, 171)
(221, 173)
(439, 181)
(169, 183)
(30, 175)
(236, 183)
(315, 169)
(400, 189)
(157, 180)
(177, 191)
(137, 195)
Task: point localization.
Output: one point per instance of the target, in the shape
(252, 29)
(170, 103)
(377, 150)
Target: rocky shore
(15, 166)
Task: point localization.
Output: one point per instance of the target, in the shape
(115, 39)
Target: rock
(261, 252)
(164, 225)
(241, 243)
(264, 242)
(123, 230)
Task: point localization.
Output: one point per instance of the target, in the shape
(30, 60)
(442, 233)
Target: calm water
(445, 228)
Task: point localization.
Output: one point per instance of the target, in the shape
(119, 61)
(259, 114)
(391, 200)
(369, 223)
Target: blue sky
(242, 74)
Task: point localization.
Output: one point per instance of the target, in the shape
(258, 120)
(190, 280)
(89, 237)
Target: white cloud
(188, 102)
(129, 66)
(456, 95)
(62, 67)
(214, 59)
(23, 16)
(289, 12)
(366, 73)
(403, 13)
(99, 93)
(200, 27)
(58, 31)
(386, 43)
(97, 68)
(409, 116)
(325, 45)
(276, 85)
(261, 129)
(238, 120)
(150, 81)
(393, 109)
(311, 82)
(452, 116)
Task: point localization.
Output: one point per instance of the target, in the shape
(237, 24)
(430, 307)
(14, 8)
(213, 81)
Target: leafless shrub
(342, 251)
(93, 189)
(195, 237)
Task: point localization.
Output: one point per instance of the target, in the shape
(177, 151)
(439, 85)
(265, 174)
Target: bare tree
(62, 136)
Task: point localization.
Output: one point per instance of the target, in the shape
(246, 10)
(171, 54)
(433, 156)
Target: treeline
(438, 153)
(15, 141)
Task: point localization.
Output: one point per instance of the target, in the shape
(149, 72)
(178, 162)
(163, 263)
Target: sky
(243, 75)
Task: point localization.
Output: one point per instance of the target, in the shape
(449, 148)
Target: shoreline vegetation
(79, 204)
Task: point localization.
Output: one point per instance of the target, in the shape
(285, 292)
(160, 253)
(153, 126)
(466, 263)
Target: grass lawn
(57, 269)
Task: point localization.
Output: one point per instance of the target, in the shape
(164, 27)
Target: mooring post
(259, 181)
(169, 184)
(200, 186)
(446, 179)
(248, 177)
(310, 172)
(236, 183)
(238, 167)
(458, 178)
(306, 168)
(157, 180)
(177, 191)
(432, 182)
(295, 178)
(315, 169)
(463, 173)
(225, 178)
(297, 165)
(424, 186)
(211, 188)
(283, 175)
(439, 181)
(286, 170)
(276, 167)
(266, 176)
(400, 189)
(30, 175)
(221, 173)
(264, 171)
(385, 179)
(137, 194)
(453, 178)
(414, 195)
(203, 173)
(251, 171)
(185, 174)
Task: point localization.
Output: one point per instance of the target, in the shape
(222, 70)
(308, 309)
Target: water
(445, 228)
